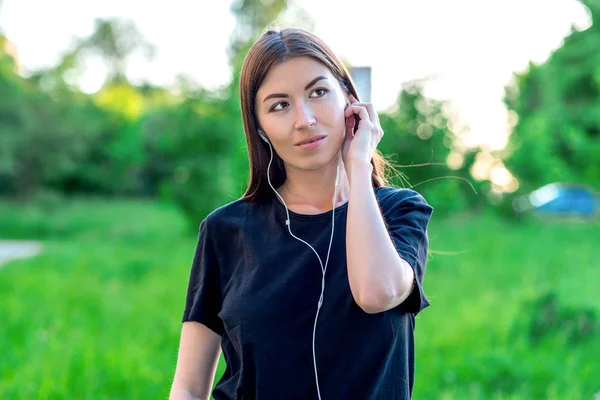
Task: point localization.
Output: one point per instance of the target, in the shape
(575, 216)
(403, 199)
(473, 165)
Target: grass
(477, 340)
(97, 314)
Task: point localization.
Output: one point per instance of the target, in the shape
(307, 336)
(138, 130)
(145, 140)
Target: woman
(310, 283)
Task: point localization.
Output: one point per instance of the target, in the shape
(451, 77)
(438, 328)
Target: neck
(312, 191)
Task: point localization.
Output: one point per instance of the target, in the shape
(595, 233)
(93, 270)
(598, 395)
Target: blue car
(560, 199)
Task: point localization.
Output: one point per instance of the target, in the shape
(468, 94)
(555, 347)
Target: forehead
(292, 75)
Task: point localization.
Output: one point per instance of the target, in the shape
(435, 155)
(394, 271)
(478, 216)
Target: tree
(199, 143)
(557, 103)
(115, 40)
(252, 17)
(43, 138)
(53, 136)
(418, 140)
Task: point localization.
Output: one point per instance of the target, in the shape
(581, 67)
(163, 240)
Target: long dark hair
(272, 48)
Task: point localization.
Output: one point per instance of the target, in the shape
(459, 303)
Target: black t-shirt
(258, 287)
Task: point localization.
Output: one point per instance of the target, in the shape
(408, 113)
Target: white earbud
(262, 136)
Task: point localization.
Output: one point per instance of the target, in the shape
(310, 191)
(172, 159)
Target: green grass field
(515, 307)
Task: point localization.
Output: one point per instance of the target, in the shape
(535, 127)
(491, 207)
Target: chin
(317, 163)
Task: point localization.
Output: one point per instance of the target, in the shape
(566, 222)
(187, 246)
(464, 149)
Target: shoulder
(390, 195)
(232, 214)
(401, 201)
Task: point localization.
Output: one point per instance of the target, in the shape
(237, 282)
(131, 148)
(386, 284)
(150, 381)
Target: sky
(470, 47)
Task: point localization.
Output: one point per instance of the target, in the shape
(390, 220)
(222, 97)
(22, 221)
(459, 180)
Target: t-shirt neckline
(327, 214)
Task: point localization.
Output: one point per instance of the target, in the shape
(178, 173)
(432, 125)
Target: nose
(305, 118)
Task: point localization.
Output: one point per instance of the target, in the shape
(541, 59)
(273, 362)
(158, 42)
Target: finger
(373, 116)
(349, 126)
(372, 113)
(362, 112)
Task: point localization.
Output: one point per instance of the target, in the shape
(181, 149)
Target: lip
(312, 145)
(313, 140)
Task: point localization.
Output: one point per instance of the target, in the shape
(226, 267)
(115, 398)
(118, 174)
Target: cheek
(334, 115)
(269, 123)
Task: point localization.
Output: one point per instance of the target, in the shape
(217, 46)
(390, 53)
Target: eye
(281, 103)
(320, 90)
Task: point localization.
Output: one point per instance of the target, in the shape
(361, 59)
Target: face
(300, 99)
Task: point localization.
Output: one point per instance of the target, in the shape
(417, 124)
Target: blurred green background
(113, 186)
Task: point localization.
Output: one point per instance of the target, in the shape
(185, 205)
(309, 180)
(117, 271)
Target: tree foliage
(114, 41)
(557, 103)
(418, 140)
(186, 145)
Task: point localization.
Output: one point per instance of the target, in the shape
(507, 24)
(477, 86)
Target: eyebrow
(311, 83)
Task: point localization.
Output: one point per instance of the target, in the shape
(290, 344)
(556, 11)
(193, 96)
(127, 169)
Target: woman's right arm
(199, 352)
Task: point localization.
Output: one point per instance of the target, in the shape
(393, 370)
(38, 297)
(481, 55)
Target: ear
(263, 136)
(346, 100)
(347, 95)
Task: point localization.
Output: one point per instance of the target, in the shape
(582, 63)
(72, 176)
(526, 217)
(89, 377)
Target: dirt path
(13, 249)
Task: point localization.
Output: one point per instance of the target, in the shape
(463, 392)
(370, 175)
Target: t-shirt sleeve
(203, 301)
(407, 215)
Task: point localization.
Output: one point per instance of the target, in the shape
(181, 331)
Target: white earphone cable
(323, 268)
